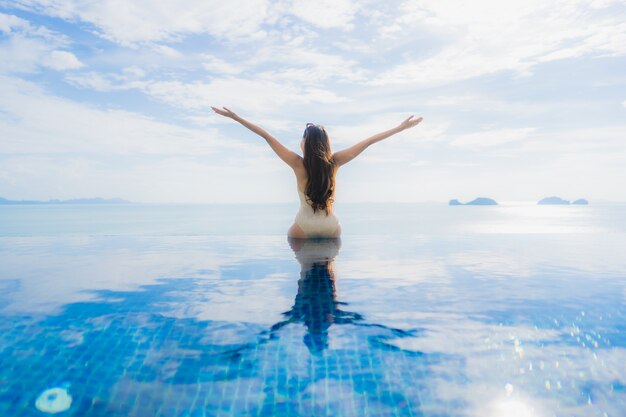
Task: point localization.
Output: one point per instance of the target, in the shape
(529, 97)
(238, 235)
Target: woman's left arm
(291, 158)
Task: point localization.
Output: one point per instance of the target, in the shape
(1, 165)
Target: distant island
(554, 200)
(4, 201)
(480, 201)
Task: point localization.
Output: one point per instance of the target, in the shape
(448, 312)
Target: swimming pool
(515, 311)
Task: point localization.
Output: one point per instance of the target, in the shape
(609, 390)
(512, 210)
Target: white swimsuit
(315, 224)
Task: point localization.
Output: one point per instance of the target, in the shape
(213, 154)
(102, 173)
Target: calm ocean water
(420, 310)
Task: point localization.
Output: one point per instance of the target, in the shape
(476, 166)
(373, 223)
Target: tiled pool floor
(197, 326)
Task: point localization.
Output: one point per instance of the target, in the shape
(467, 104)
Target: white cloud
(36, 122)
(134, 71)
(264, 92)
(107, 82)
(492, 137)
(166, 52)
(326, 13)
(300, 64)
(259, 96)
(452, 100)
(149, 21)
(219, 66)
(582, 141)
(348, 134)
(26, 54)
(155, 21)
(62, 60)
(10, 22)
(624, 103)
(31, 47)
(489, 36)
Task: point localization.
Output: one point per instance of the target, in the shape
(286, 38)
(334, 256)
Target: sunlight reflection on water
(527, 218)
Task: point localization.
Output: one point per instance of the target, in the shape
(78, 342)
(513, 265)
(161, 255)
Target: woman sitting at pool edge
(315, 172)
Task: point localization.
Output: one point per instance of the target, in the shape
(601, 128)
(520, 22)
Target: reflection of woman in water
(316, 305)
(315, 172)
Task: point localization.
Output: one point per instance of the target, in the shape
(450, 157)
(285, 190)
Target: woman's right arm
(289, 157)
(346, 155)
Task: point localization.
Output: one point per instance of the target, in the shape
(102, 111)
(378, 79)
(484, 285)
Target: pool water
(419, 310)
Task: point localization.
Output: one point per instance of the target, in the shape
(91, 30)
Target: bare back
(301, 175)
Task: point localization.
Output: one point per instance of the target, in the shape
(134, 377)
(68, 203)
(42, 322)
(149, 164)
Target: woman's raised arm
(291, 158)
(346, 155)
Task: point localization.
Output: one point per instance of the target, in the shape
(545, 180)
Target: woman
(315, 173)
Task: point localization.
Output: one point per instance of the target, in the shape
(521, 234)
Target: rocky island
(580, 201)
(480, 201)
(554, 200)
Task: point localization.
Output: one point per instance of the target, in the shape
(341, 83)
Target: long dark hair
(320, 168)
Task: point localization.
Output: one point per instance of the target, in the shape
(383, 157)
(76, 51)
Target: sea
(420, 309)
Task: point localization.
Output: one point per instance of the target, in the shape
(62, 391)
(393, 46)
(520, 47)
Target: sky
(520, 99)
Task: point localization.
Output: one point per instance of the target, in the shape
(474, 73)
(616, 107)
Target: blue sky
(520, 99)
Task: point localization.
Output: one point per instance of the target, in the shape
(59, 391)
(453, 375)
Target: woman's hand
(225, 112)
(410, 122)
